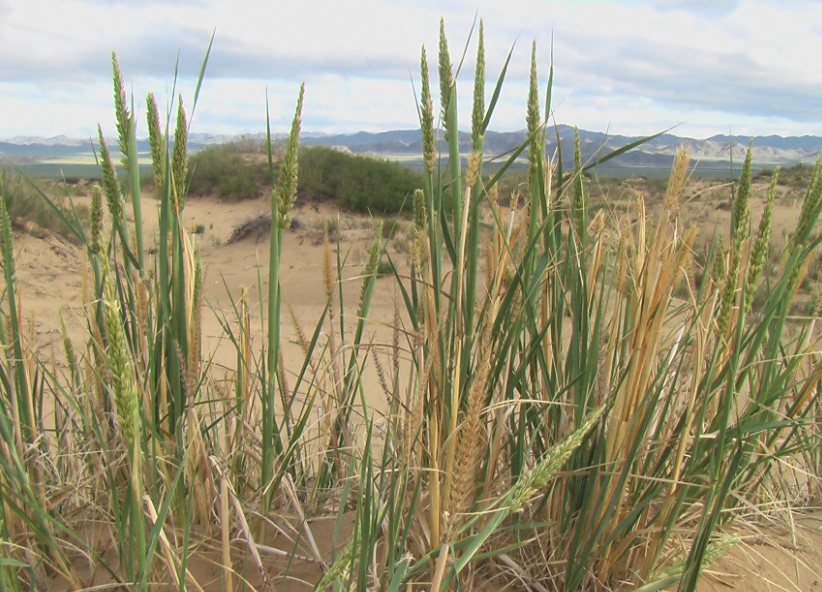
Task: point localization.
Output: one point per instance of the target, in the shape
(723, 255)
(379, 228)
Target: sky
(630, 67)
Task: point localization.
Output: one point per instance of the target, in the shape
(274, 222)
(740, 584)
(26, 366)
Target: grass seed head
(420, 217)
(446, 74)
(156, 140)
(6, 249)
(676, 182)
(741, 212)
(179, 159)
(472, 174)
(760, 248)
(429, 147)
(111, 183)
(478, 112)
(533, 117)
(579, 208)
(124, 121)
(122, 382)
(286, 190)
(96, 220)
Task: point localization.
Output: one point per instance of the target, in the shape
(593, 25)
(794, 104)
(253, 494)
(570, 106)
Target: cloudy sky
(628, 66)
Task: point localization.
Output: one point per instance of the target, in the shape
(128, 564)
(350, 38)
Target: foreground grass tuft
(562, 403)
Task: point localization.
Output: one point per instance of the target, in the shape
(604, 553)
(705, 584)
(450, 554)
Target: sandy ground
(775, 555)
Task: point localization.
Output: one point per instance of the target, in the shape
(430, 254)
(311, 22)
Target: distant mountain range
(406, 144)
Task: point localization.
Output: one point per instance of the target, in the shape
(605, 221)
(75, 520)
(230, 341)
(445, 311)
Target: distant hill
(656, 153)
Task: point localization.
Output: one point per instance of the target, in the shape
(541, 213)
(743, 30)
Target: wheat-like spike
(676, 181)
(143, 309)
(537, 477)
(111, 184)
(371, 265)
(395, 338)
(478, 112)
(121, 109)
(286, 190)
(156, 140)
(195, 336)
(728, 297)
(718, 263)
(685, 256)
(578, 205)
(286, 390)
(68, 348)
(471, 434)
(472, 174)
(420, 216)
(760, 248)
(810, 205)
(429, 146)
(122, 383)
(446, 74)
(179, 158)
(381, 378)
(5, 234)
(741, 213)
(533, 117)
(96, 220)
(597, 225)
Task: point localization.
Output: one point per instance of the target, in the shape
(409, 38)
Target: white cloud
(708, 62)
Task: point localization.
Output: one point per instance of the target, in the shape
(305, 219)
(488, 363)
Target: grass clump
(557, 395)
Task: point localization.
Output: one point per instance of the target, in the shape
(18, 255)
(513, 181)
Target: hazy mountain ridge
(658, 151)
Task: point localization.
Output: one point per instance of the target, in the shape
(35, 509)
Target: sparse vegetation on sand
(28, 212)
(561, 406)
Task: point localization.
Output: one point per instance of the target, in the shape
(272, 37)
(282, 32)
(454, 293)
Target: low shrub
(228, 172)
(360, 183)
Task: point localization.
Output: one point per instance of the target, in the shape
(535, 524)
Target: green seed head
(111, 184)
(286, 190)
(478, 113)
(532, 118)
(6, 249)
(760, 248)
(124, 120)
(179, 160)
(741, 210)
(446, 75)
(420, 217)
(429, 147)
(156, 140)
(96, 220)
(126, 399)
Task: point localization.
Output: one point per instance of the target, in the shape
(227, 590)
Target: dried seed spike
(676, 181)
(472, 174)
